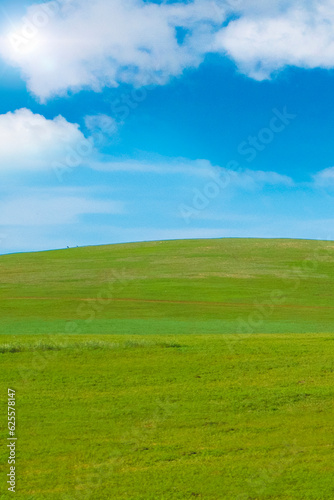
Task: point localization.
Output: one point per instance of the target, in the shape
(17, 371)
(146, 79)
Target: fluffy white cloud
(261, 41)
(31, 142)
(69, 44)
(60, 146)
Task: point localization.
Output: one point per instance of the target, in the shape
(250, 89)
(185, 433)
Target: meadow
(170, 370)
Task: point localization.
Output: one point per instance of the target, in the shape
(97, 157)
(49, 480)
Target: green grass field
(170, 370)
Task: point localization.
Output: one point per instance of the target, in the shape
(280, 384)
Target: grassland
(194, 286)
(170, 370)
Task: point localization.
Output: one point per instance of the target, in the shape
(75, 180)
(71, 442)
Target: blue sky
(133, 120)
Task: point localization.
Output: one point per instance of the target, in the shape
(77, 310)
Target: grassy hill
(115, 401)
(191, 286)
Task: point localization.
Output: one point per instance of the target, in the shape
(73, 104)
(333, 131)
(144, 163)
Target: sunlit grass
(173, 417)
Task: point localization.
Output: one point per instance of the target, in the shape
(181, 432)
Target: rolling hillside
(146, 414)
(191, 286)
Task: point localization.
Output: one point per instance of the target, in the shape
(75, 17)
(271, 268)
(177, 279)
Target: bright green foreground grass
(193, 286)
(171, 417)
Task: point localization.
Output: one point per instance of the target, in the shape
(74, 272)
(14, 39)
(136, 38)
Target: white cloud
(260, 7)
(257, 178)
(94, 43)
(101, 124)
(68, 45)
(247, 179)
(31, 142)
(60, 146)
(160, 166)
(297, 33)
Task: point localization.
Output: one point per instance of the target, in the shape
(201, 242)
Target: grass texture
(171, 287)
(170, 417)
(170, 371)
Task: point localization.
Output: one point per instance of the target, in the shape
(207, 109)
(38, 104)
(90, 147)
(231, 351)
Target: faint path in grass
(129, 299)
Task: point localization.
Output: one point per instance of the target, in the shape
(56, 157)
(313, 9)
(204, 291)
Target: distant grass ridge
(170, 287)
